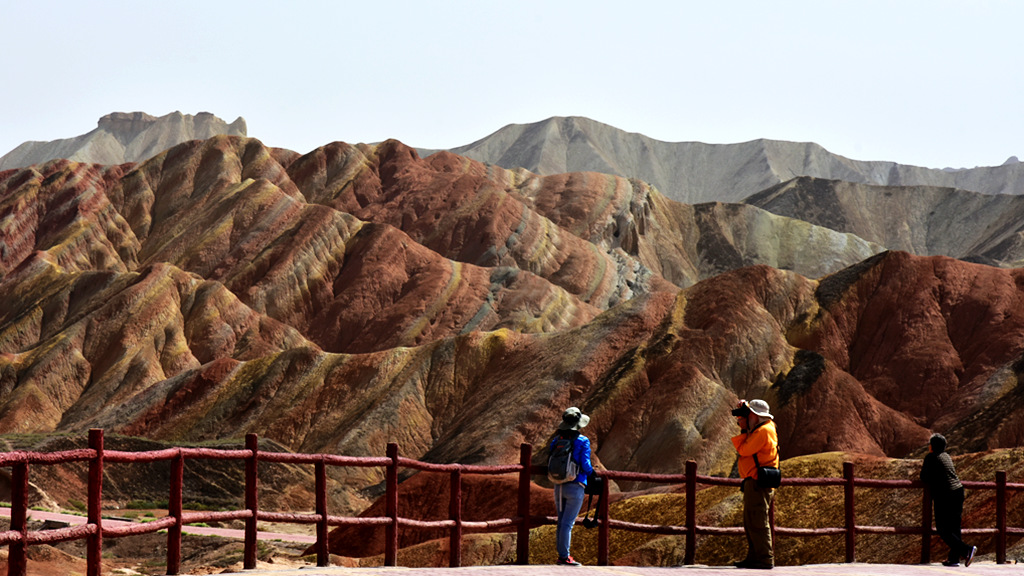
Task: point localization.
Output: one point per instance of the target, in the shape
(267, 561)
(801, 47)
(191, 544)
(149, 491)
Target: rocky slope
(124, 137)
(359, 295)
(170, 278)
(925, 220)
(695, 172)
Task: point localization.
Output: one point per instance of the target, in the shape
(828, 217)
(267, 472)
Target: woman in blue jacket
(569, 496)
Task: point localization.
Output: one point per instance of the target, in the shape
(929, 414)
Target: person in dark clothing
(939, 474)
(569, 496)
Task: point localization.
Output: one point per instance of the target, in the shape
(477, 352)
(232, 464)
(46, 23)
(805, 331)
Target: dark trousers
(949, 507)
(756, 502)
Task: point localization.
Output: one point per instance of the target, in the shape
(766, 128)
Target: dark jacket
(939, 474)
(580, 452)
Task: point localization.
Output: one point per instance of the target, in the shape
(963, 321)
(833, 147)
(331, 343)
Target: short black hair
(938, 443)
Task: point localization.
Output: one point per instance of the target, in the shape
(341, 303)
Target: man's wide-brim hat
(760, 407)
(573, 419)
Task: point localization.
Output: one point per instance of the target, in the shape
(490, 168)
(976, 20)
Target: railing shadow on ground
(18, 537)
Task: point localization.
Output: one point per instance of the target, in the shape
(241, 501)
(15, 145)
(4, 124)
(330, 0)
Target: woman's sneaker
(567, 561)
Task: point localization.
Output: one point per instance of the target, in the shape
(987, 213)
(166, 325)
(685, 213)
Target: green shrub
(147, 505)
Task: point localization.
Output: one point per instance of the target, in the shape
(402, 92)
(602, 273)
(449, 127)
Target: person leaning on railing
(758, 447)
(938, 472)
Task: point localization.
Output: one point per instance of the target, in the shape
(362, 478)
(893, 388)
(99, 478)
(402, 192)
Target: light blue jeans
(568, 501)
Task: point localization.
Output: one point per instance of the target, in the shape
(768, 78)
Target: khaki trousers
(756, 501)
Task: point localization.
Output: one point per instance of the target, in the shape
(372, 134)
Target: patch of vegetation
(204, 507)
(29, 442)
(147, 505)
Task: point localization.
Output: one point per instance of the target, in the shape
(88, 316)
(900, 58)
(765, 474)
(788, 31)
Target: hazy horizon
(932, 84)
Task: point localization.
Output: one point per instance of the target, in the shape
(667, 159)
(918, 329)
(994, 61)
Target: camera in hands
(742, 410)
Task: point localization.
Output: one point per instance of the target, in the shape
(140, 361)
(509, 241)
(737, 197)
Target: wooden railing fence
(18, 537)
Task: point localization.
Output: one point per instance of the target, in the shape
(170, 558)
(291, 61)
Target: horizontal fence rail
(18, 537)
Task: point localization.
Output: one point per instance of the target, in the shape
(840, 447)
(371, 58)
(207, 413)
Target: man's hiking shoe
(567, 561)
(950, 563)
(970, 556)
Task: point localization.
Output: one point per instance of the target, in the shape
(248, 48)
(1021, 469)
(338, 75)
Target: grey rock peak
(122, 137)
(694, 172)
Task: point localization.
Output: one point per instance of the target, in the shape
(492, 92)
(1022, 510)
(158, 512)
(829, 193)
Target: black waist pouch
(767, 476)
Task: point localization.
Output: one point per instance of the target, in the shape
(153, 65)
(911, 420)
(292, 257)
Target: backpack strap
(758, 464)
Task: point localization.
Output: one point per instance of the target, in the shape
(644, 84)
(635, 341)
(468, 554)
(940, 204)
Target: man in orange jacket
(757, 445)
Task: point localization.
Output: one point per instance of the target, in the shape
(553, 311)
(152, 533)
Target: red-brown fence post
(691, 513)
(849, 512)
(174, 506)
(322, 550)
(391, 507)
(523, 507)
(926, 526)
(18, 551)
(251, 501)
(603, 530)
(1001, 517)
(94, 542)
(455, 513)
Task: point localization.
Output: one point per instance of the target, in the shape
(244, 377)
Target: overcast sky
(932, 83)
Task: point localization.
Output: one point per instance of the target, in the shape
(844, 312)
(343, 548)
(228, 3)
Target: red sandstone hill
(360, 295)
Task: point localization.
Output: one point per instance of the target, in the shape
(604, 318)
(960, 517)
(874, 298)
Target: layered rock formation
(359, 295)
(925, 220)
(873, 358)
(152, 251)
(695, 172)
(124, 137)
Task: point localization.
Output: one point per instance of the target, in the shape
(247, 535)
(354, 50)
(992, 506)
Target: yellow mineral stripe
(543, 248)
(181, 225)
(554, 312)
(349, 176)
(420, 324)
(599, 279)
